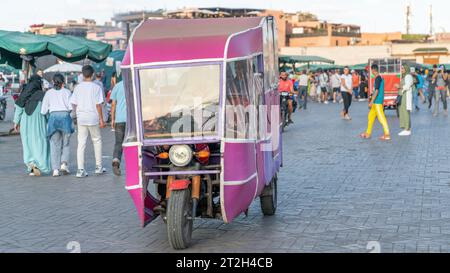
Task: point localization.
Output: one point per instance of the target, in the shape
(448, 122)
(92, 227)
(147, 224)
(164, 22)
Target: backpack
(416, 80)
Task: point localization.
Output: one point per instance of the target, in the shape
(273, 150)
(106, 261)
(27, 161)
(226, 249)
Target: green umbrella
(359, 66)
(15, 44)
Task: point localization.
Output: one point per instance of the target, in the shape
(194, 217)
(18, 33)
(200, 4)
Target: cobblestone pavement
(337, 193)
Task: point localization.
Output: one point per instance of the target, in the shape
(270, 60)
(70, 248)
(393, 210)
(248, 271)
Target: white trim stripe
(135, 187)
(174, 62)
(240, 182)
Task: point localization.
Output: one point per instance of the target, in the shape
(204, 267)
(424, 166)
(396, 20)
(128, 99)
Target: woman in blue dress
(33, 128)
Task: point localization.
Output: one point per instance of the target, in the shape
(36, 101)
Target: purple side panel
(238, 198)
(239, 161)
(165, 50)
(239, 165)
(142, 200)
(131, 155)
(246, 44)
(262, 170)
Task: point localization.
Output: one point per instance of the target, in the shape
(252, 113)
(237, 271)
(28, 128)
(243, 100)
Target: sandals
(365, 136)
(35, 170)
(385, 138)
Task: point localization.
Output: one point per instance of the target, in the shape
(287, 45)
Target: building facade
(351, 55)
(70, 27)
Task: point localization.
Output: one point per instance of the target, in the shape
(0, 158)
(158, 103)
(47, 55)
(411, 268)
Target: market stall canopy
(303, 59)
(362, 66)
(64, 68)
(7, 69)
(315, 67)
(14, 45)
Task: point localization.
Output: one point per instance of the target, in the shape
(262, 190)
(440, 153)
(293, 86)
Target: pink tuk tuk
(203, 130)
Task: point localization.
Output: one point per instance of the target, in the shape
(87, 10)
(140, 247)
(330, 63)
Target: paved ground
(337, 193)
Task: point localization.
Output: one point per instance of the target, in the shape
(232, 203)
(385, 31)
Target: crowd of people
(325, 86)
(46, 120)
(336, 86)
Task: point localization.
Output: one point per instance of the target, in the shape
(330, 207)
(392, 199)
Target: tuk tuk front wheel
(269, 198)
(179, 219)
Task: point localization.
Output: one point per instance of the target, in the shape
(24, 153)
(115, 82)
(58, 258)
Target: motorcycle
(2, 108)
(284, 106)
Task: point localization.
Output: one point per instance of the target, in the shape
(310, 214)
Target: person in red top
(285, 85)
(355, 83)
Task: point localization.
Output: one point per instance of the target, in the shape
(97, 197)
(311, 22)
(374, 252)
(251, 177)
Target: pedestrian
(33, 127)
(336, 85)
(432, 85)
(312, 88)
(376, 107)
(118, 123)
(406, 101)
(87, 100)
(420, 85)
(303, 90)
(98, 81)
(440, 78)
(346, 92)
(415, 88)
(355, 84)
(363, 88)
(56, 105)
(323, 84)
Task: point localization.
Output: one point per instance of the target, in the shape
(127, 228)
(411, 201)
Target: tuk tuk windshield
(180, 102)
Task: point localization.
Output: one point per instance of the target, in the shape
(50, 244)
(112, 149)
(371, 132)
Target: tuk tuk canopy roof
(304, 59)
(193, 39)
(15, 44)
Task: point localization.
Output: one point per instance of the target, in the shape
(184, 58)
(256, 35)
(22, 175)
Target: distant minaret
(408, 18)
(431, 20)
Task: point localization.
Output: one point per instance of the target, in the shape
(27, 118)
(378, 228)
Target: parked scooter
(2, 108)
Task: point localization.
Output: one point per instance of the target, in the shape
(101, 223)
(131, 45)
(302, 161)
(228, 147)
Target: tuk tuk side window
(269, 57)
(131, 135)
(180, 102)
(244, 94)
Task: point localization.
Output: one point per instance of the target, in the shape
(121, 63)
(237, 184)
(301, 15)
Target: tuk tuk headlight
(180, 155)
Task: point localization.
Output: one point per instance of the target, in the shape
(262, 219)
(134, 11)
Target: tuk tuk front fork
(195, 181)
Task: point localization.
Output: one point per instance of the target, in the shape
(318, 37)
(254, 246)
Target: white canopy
(64, 68)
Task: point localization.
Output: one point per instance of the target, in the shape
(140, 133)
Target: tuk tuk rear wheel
(269, 198)
(179, 219)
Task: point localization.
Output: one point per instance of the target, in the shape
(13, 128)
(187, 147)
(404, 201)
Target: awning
(303, 59)
(362, 66)
(15, 44)
(64, 68)
(315, 67)
(434, 50)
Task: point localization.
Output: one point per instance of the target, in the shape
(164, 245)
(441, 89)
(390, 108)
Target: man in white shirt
(323, 82)
(336, 84)
(303, 90)
(347, 92)
(87, 102)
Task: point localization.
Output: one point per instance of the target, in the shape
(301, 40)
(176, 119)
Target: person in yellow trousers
(376, 107)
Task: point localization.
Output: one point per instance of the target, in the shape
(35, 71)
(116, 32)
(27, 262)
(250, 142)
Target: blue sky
(372, 15)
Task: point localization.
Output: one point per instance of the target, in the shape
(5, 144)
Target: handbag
(398, 100)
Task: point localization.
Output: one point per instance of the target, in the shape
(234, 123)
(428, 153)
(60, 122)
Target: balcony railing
(316, 33)
(320, 33)
(346, 34)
